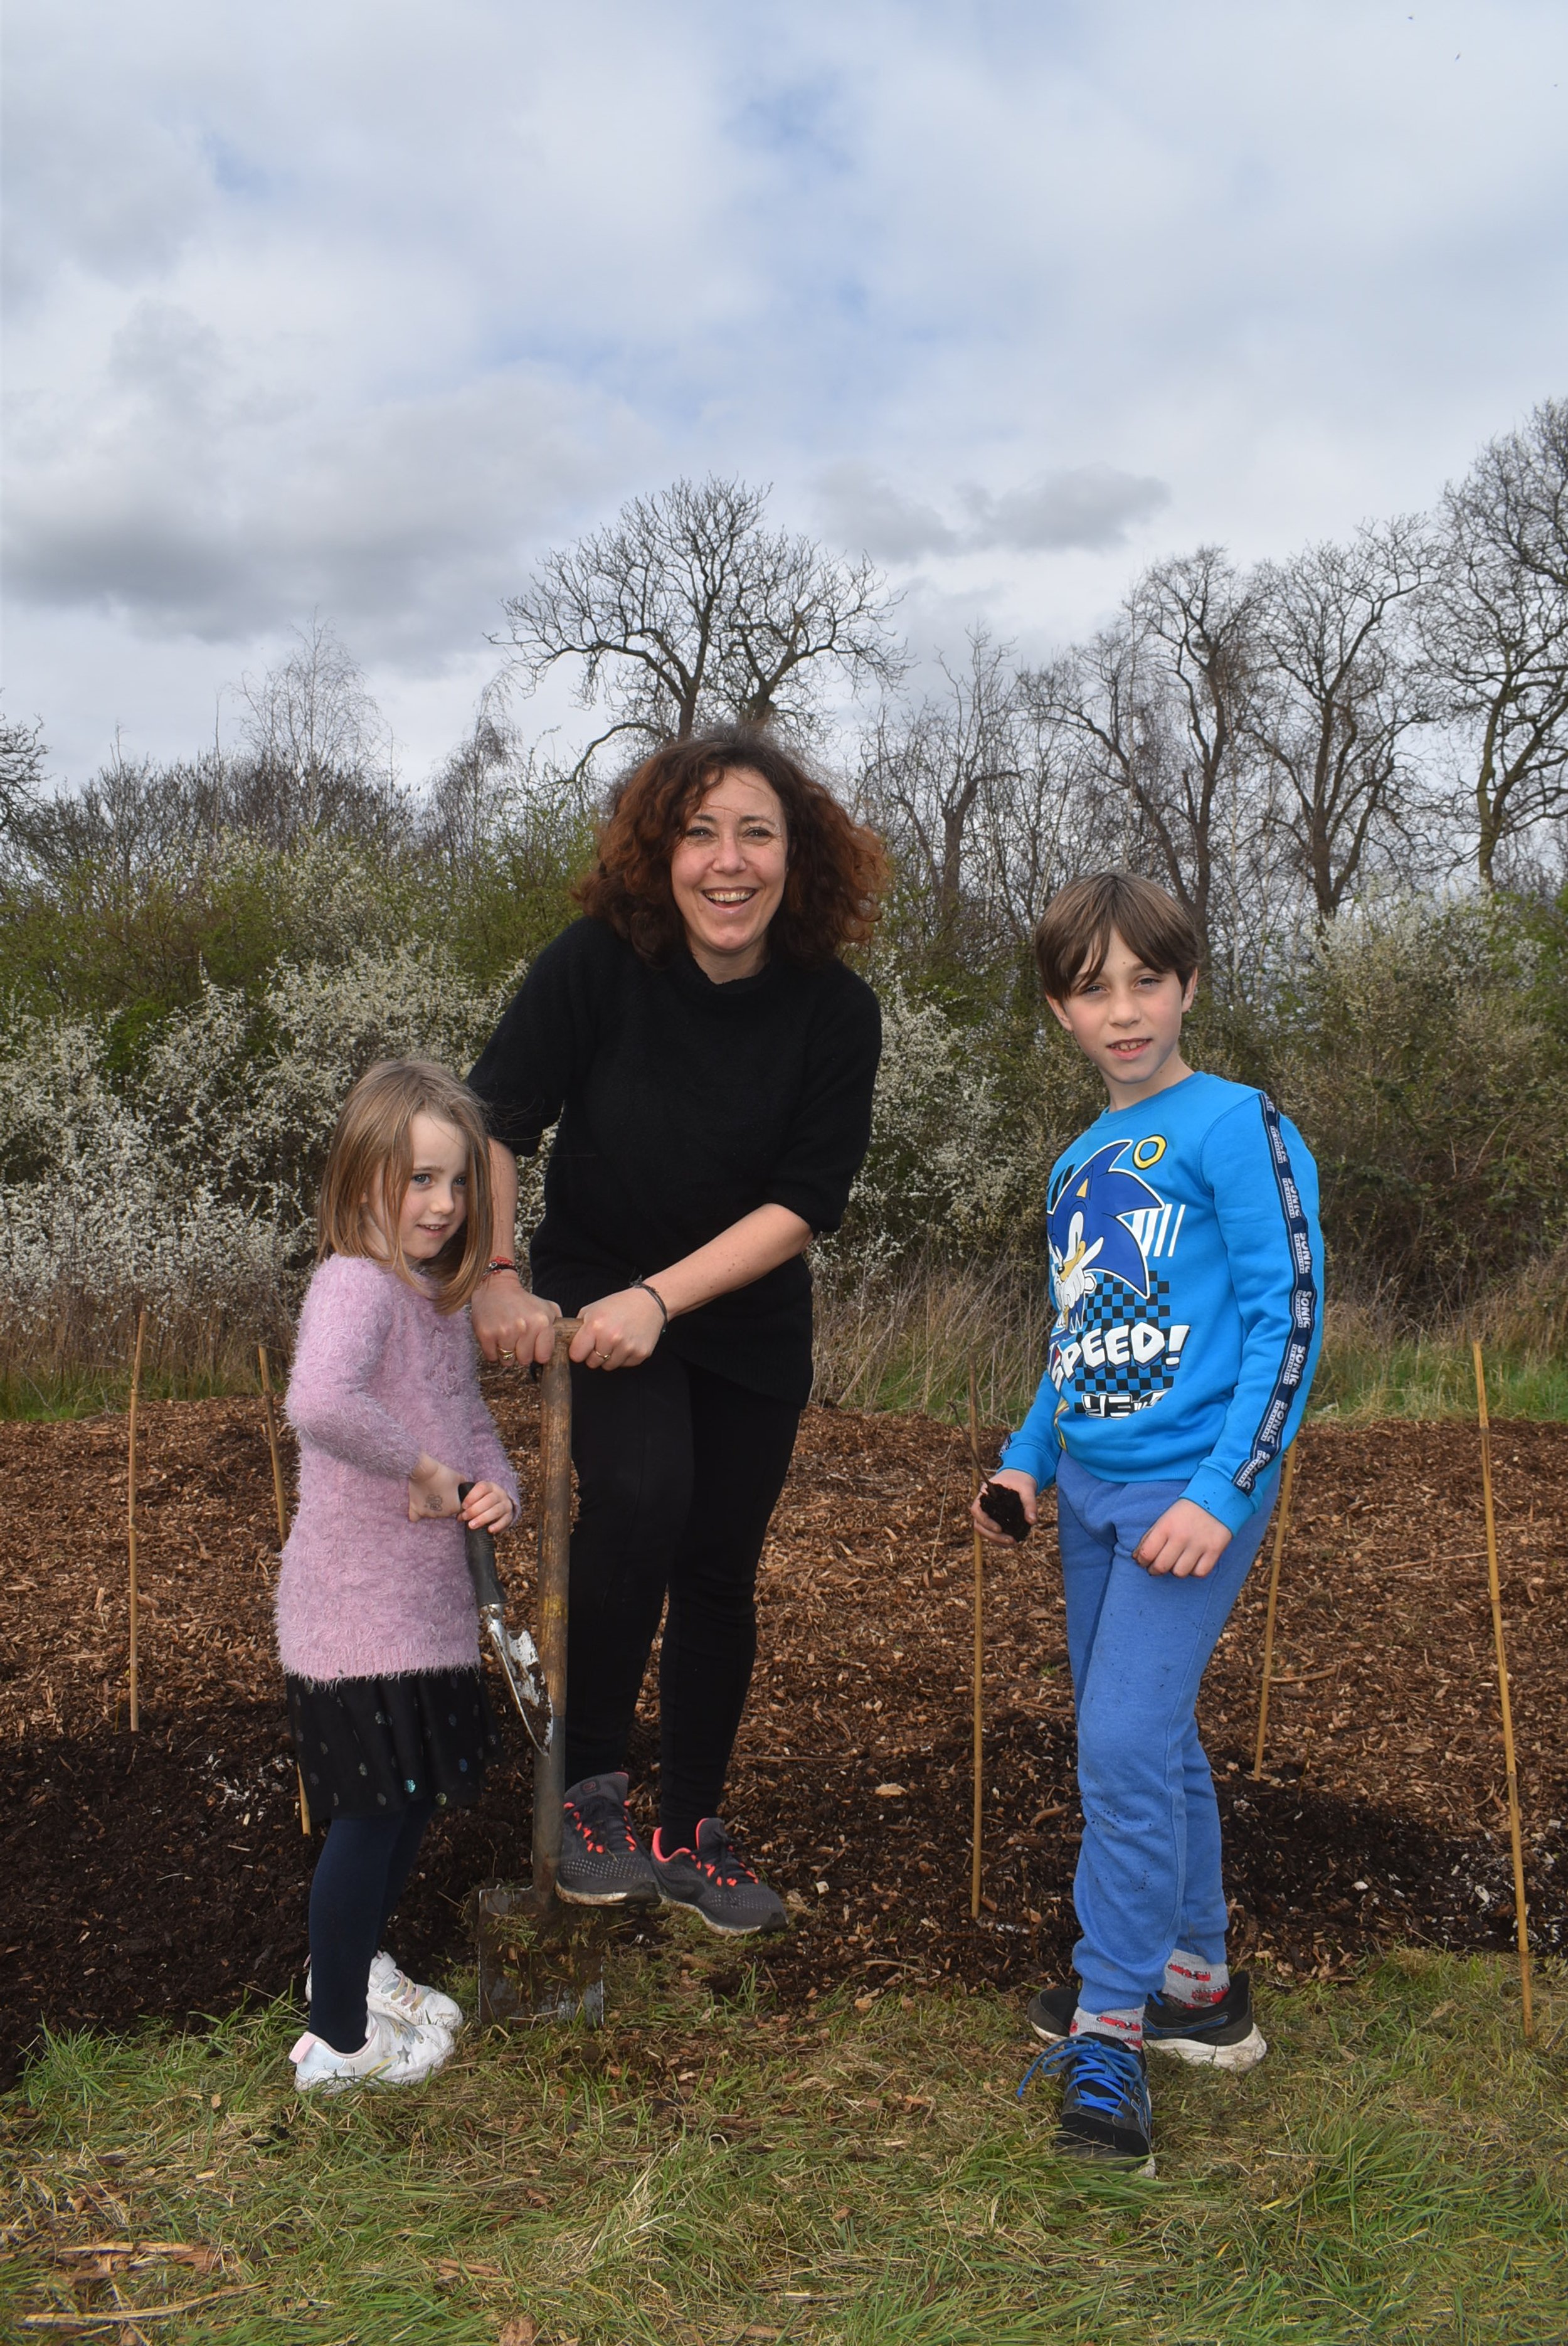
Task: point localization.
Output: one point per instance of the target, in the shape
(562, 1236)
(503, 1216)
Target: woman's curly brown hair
(837, 872)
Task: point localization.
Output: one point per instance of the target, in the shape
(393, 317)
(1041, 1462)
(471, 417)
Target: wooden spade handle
(555, 1545)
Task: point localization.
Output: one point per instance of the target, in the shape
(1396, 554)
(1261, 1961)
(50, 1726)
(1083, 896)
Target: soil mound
(166, 1873)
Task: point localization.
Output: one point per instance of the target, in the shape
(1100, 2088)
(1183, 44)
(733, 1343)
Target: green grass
(88, 1392)
(908, 1343)
(706, 2170)
(1432, 1377)
(911, 1349)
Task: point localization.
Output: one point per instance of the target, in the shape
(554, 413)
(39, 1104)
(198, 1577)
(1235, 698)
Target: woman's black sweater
(683, 1105)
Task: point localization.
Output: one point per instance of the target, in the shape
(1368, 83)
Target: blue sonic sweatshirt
(1187, 1271)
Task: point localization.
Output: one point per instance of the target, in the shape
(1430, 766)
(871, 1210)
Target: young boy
(1186, 1268)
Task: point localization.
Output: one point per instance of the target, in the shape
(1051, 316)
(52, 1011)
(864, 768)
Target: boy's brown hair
(1073, 935)
(371, 1151)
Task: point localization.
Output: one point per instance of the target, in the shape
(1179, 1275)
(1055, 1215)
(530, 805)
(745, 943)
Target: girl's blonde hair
(371, 1155)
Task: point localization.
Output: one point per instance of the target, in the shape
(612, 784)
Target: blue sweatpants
(1148, 1878)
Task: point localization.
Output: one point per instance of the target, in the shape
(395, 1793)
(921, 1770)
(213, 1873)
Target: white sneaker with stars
(391, 1991)
(393, 2054)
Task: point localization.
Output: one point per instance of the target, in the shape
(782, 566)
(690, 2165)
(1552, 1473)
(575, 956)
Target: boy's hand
(433, 1491)
(1185, 1540)
(486, 1508)
(1014, 1480)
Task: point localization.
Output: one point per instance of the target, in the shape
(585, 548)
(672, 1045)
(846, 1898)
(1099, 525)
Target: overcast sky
(353, 309)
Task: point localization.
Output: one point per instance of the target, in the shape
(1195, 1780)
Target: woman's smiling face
(728, 873)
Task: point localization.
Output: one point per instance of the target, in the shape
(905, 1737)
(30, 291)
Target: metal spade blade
(518, 1658)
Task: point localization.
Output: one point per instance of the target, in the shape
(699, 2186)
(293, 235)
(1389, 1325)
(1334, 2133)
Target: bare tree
(471, 794)
(1495, 624)
(1161, 702)
(132, 822)
(495, 801)
(926, 769)
(986, 800)
(21, 773)
(686, 609)
(1042, 819)
(311, 723)
(1338, 699)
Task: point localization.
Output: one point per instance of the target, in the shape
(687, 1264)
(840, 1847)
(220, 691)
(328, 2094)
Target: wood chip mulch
(166, 1873)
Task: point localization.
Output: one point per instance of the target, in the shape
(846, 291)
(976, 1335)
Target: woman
(712, 1063)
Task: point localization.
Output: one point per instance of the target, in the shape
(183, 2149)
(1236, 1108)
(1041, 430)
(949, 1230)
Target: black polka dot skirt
(367, 1747)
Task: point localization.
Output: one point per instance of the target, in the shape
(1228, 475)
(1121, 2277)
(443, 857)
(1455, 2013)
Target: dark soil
(166, 1873)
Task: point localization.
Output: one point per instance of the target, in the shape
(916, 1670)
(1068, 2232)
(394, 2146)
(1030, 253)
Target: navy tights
(358, 1879)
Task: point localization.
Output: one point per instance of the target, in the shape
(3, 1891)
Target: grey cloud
(97, 182)
(1089, 508)
(166, 352)
(472, 291)
(870, 515)
(184, 504)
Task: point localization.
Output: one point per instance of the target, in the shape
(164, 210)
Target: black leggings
(678, 1475)
(358, 1879)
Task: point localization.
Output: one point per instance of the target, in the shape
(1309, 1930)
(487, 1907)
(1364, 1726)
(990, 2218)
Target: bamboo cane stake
(1520, 1914)
(270, 1414)
(130, 1521)
(978, 1755)
(1282, 1525)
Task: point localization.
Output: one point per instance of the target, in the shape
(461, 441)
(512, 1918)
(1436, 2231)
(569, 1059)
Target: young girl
(377, 1627)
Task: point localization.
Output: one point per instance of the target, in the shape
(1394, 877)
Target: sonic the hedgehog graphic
(1089, 1237)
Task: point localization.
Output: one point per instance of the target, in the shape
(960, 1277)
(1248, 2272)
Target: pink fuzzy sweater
(379, 1375)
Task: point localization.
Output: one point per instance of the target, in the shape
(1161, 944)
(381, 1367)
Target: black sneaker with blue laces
(1223, 2035)
(602, 1864)
(1105, 2101)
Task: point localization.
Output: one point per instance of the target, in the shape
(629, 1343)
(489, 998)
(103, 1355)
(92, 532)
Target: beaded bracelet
(659, 1299)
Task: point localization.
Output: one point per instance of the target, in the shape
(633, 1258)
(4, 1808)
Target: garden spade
(538, 1958)
(518, 1654)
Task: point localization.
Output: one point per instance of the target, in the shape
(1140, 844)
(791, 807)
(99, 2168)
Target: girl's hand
(509, 1323)
(486, 1508)
(433, 1491)
(1185, 1539)
(1015, 1481)
(618, 1331)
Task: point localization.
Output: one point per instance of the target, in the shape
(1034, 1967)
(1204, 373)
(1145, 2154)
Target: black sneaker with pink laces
(716, 1882)
(602, 1864)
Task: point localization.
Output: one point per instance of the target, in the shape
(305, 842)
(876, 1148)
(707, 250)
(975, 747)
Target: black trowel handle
(479, 1549)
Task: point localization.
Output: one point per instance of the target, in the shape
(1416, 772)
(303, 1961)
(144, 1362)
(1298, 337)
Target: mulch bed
(166, 1873)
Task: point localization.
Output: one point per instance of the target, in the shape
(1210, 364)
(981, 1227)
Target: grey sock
(1190, 1980)
(1123, 2025)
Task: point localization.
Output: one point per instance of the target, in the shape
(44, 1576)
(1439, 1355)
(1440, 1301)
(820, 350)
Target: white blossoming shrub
(189, 1185)
(950, 1169)
(246, 1096)
(94, 1219)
